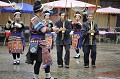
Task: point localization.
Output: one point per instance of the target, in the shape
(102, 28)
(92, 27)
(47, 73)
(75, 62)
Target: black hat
(46, 13)
(17, 12)
(61, 13)
(37, 6)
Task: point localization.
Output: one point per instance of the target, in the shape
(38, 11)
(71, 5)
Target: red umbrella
(108, 10)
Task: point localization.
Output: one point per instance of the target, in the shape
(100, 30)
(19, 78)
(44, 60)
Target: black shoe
(77, 56)
(51, 78)
(18, 62)
(86, 66)
(66, 66)
(14, 63)
(93, 66)
(60, 66)
(26, 61)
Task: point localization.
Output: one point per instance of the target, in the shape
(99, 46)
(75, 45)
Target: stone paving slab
(108, 65)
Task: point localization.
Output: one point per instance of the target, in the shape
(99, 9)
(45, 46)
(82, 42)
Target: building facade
(115, 4)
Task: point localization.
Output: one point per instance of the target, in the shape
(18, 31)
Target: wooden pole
(95, 9)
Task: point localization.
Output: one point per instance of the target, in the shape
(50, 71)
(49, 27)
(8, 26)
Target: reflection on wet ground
(110, 73)
(107, 62)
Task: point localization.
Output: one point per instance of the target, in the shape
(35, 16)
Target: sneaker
(35, 78)
(77, 56)
(18, 62)
(14, 63)
(86, 66)
(66, 66)
(60, 66)
(26, 61)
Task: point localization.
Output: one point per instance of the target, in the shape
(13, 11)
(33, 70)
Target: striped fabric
(37, 23)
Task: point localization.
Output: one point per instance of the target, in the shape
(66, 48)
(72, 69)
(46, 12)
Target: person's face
(17, 17)
(77, 17)
(39, 14)
(47, 17)
(90, 17)
(62, 16)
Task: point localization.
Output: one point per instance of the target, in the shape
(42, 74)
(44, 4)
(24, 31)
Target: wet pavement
(107, 65)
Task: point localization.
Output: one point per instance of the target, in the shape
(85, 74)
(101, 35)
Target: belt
(15, 38)
(37, 40)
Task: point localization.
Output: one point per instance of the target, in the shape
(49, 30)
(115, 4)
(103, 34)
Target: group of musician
(41, 39)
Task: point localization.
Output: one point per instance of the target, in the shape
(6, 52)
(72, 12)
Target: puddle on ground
(109, 75)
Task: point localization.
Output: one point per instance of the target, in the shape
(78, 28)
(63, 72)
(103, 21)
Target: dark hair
(37, 6)
(61, 13)
(76, 14)
(17, 12)
(46, 12)
(89, 14)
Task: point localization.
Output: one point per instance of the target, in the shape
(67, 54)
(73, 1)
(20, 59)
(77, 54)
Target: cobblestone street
(107, 65)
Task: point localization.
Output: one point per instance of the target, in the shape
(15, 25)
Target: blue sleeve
(38, 26)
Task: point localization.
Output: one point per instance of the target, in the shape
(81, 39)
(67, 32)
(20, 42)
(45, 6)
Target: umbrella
(27, 8)
(62, 4)
(108, 10)
(3, 4)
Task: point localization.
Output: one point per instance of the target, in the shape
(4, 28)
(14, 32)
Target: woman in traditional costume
(77, 39)
(16, 42)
